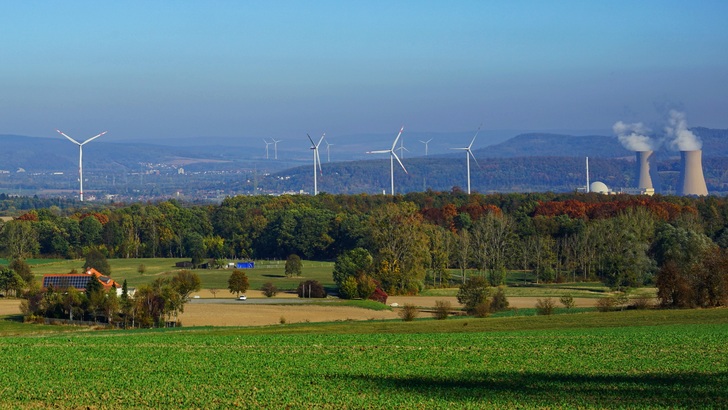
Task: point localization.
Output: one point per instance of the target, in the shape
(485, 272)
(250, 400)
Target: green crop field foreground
(632, 359)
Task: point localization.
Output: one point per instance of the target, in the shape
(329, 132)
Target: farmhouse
(79, 280)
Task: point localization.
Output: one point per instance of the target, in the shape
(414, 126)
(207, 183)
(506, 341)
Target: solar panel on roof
(63, 281)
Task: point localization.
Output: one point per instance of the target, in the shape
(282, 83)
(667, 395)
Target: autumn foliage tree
(238, 282)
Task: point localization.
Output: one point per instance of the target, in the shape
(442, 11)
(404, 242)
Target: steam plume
(633, 136)
(680, 137)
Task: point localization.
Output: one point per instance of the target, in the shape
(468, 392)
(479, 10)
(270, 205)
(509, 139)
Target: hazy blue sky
(281, 69)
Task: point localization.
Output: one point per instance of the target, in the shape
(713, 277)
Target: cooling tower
(692, 181)
(644, 171)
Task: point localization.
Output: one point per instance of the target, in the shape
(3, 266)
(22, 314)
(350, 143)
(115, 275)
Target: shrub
(311, 289)
(606, 304)
(379, 295)
(482, 309)
(408, 312)
(442, 309)
(499, 301)
(545, 306)
(269, 289)
(349, 288)
(567, 300)
(472, 293)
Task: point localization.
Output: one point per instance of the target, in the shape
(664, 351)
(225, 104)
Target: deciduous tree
(238, 282)
(293, 265)
(95, 259)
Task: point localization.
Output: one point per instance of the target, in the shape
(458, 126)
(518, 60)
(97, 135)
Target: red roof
(79, 280)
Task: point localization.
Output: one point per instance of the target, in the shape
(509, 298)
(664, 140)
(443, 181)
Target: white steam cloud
(680, 137)
(634, 136)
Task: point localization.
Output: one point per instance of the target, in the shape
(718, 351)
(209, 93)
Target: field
(265, 271)
(634, 359)
(273, 271)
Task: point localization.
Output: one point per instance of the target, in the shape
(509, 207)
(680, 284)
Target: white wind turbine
(468, 154)
(275, 147)
(316, 160)
(328, 151)
(402, 148)
(392, 156)
(426, 142)
(266, 147)
(80, 157)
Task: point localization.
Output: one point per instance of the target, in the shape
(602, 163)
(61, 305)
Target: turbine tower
(468, 154)
(80, 157)
(266, 147)
(316, 160)
(426, 142)
(275, 147)
(392, 157)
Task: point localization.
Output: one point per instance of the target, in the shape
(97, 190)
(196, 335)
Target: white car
(242, 297)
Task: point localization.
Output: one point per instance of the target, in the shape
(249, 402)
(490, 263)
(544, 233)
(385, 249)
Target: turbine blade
(400, 162)
(310, 139)
(475, 136)
(383, 151)
(476, 161)
(94, 137)
(72, 140)
(322, 138)
(318, 159)
(460, 149)
(398, 135)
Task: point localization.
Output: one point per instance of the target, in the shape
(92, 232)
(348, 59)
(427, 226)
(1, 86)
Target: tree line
(406, 242)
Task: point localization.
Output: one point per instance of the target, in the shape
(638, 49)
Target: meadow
(121, 269)
(631, 359)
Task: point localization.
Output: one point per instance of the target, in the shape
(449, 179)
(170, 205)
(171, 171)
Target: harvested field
(514, 302)
(260, 315)
(9, 307)
(248, 314)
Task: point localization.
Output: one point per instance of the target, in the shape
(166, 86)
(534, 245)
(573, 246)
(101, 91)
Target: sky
(280, 69)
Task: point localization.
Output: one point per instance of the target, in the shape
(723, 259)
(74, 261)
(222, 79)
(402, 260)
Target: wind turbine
(426, 142)
(275, 147)
(392, 156)
(468, 154)
(266, 147)
(402, 148)
(328, 153)
(316, 160)
(80, 157)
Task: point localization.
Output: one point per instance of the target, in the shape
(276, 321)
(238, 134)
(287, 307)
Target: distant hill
(57, 154)
(527, 162)
(537, 144)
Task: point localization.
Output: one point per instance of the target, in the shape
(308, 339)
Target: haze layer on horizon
(279, 69)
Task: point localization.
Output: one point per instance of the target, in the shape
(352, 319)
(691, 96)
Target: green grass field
(264, 271)
(634, 359)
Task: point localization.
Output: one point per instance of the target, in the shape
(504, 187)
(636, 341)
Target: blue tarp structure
(245, 265)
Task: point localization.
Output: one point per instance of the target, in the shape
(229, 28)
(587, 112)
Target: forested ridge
(412, 239)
